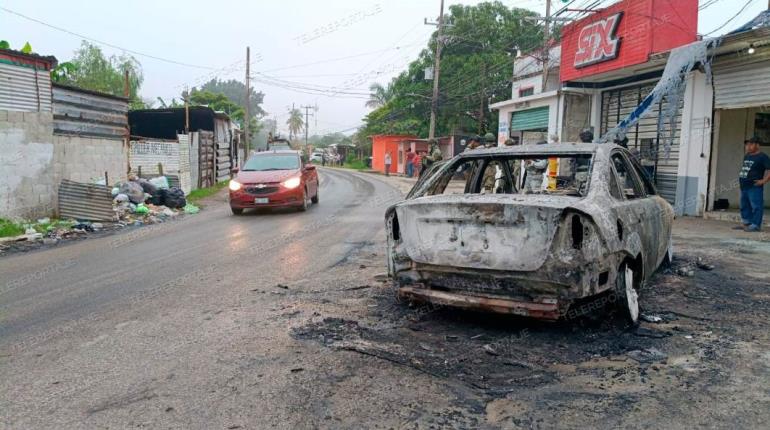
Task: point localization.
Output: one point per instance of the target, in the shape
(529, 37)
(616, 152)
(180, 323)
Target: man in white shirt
(388, 162)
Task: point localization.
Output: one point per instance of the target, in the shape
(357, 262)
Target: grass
(9, 228)
(355, 165)
(202, 193)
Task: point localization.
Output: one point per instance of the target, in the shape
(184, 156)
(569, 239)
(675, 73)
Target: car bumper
(283, 198)
(547, 310)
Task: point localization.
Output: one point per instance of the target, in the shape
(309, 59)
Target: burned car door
(660, 216)
(633, 227)
(424, 177)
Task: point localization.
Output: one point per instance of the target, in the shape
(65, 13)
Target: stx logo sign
(598, 42)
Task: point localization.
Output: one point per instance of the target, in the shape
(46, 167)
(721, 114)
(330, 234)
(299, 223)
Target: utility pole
(307, 121)
(547, 36)
(436, 70)
(247, 118)
(483, 94)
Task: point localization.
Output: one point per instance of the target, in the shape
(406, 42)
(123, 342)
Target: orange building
(383, 143)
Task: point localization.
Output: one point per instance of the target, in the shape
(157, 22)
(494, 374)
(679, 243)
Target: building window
(528, 91)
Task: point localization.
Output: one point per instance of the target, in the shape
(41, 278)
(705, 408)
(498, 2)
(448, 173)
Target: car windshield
(566, 175)
(272, 162)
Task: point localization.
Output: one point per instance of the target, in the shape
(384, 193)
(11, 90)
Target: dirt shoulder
(701, 363)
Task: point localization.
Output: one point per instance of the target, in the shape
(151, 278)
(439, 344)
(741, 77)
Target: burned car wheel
(628, 299)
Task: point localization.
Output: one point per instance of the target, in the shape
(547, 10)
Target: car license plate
(261, 200)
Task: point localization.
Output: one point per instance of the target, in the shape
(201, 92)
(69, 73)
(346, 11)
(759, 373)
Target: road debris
(650, 318)
(649, 355)
(703, 265)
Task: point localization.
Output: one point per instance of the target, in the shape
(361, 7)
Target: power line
(331, 60)
(101, 42)
(731, 19)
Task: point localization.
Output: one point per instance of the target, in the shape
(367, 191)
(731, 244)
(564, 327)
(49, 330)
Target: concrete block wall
(33, 161)
(84, 159)
(26, 164)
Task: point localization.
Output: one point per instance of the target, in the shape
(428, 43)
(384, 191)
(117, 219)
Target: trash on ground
(649, 355)
(651, 318)
(703, 265)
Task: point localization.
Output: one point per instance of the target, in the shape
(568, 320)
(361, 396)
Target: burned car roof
(550, 148)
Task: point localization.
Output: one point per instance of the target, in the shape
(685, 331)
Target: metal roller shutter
(742, 81)
(530, 119)
(644, 136)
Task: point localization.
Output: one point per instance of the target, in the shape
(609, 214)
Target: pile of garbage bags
(152, 200)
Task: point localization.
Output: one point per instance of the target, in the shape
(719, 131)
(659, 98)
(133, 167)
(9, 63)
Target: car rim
(632, 299)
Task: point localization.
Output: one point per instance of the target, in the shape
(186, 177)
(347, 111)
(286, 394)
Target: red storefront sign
(626, 34)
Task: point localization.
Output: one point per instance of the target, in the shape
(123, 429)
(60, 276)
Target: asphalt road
(94, 331)
(282, 320)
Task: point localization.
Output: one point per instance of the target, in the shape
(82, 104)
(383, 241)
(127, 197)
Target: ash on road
(280, 320)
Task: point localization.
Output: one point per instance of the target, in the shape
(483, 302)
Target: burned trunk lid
(492, 232)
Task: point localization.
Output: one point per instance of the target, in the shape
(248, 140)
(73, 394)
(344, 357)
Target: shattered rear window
(566, 175)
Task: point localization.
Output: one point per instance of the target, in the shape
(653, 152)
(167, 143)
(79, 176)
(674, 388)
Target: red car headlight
(234, 185)
(292, 183)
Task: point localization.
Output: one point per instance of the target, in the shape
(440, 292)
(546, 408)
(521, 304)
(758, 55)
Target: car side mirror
(309, 167)
(234, 170)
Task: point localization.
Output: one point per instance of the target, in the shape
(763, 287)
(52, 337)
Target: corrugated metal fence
(85, 113)
(24, 88)
(85, 201)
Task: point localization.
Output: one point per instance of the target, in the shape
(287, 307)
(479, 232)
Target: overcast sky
(378, 37)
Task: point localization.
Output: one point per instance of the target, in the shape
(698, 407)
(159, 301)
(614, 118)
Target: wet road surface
(281, 320)
(114, 319)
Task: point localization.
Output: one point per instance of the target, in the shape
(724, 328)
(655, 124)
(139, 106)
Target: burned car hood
(492, 232)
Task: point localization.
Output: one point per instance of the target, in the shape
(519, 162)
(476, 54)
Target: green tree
(218, 102)
(378, 96)
(476, 67)
(236, 92)
(295, 122)
(92, 70)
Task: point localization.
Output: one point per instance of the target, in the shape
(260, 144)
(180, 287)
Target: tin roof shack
(214, 144)
(25, 81)
(741, 70)
(51, 133)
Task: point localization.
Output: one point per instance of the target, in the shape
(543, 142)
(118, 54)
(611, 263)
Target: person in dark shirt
(754, 174)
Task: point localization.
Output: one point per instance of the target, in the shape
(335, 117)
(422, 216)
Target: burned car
(530, 230)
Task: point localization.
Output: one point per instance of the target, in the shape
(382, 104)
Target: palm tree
(378, 96)
(295, 122)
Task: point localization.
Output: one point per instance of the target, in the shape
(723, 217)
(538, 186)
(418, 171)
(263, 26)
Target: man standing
(474, 143)
(409, 165)
(388, 162)
(490, 140)
(755, 173)
(533, 183)
(417, 162)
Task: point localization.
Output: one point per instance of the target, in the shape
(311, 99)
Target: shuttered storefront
(742, 81)
(530, 119)
(644, 136)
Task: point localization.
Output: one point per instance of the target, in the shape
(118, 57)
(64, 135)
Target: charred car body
(491, 230)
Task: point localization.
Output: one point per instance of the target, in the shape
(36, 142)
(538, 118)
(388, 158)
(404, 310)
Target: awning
(530, 119)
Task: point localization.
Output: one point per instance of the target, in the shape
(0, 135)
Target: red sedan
(274, 179)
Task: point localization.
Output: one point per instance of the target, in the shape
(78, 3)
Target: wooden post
(247, 117)
(126, 87)
(106, 179)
